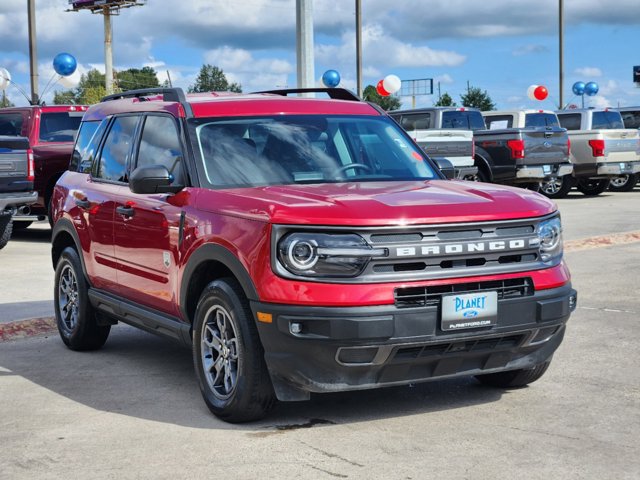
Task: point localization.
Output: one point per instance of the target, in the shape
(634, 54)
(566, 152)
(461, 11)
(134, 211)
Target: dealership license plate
(469, 310)
(546, 169)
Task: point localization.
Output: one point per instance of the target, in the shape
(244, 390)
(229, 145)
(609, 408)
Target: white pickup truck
(601, 149)
(434, 130)
(631, 119)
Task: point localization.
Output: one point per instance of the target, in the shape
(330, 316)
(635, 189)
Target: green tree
(445, 101)
(136, 78)
(387, 103)
(5, 102)
(478, 99)
(212, 79)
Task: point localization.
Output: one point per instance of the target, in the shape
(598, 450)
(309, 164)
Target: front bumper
(327, 349)
(618, 168)
(541, 172)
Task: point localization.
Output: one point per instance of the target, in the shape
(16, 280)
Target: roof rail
(334, 93)
(168, 95)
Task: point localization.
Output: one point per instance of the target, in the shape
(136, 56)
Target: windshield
(59, 126)
(281, 150)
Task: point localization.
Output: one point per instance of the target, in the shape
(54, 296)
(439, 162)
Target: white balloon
(391, 83)
(530, 91)
(5, 78)
(70, 81)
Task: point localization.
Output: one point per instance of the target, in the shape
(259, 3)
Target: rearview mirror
(152, 179)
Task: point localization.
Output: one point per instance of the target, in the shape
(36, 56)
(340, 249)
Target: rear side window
(540, 120)
(86, 146)
(59, 126)
(112, 165)
(606, 120)
(415, 121)
(570, 121)
(160, 145)
(463, 120)
(631, 119)
(11, 124)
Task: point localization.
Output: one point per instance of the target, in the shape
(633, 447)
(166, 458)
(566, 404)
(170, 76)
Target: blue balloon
(591, 89)
(578, 88)
(64, 64)
(331, 78)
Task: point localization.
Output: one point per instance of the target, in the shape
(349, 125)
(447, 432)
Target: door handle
(82, 202)
(125, 210)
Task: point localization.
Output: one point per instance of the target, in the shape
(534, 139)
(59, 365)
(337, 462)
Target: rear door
(148, 225)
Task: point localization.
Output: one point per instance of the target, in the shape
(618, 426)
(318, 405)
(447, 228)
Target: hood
(377, 203)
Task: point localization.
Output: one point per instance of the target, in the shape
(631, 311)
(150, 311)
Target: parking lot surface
(134, 410)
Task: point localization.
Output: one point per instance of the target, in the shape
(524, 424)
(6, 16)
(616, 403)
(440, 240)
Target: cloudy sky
(501, 46)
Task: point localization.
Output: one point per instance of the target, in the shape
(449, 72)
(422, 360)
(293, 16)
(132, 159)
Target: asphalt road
(133, 409)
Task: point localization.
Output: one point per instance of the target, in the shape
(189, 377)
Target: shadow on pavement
(11, 312)
(144, 376)
(32, 234)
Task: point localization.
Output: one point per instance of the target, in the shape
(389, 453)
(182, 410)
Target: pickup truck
(432, 130)
(601, 149)
(16, 182)
(50, 131)
(529, 144)
(625, 183)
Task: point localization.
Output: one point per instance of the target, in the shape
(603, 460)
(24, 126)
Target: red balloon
(540, 93)
(380, 89)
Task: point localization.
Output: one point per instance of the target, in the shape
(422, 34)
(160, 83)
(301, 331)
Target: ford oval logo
(470, 314)
(547, 144)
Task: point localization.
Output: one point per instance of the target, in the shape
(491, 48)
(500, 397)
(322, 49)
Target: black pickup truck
(16, 182)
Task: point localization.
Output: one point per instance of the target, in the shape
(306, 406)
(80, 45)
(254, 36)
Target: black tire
(17, 226)
(228, 356)
(592, 187)
(624, 183)
(514, 378)
(557, 188)
(6, 227)
(75, 317)
(482, 175)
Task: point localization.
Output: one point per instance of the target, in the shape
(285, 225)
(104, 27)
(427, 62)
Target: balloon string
(18, 88)
(44, 91)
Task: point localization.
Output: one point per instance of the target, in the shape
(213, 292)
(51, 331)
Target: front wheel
(75, 317)
(624, 183)
(592, 187)
(228, 356)
(514, 378)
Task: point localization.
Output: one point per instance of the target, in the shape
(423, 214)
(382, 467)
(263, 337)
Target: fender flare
(65, 225)
(481, 156)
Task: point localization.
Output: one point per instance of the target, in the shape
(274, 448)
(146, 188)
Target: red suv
(299, 245)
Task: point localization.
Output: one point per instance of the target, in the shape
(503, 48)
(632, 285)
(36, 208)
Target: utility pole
(33, 60)
(561, 52)
(359, 47)
(304, 43)
(108, 51)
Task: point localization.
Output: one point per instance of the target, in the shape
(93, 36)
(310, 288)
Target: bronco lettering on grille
(460, 248)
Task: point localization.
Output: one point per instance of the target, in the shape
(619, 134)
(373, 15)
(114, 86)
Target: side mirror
(446, 167)
(152, 179)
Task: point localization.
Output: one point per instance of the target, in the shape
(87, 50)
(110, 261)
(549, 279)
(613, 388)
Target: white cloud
(529, 49)
(589, 72)
(444, 79)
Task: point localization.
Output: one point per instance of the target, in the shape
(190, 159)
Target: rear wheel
(6, 227)
(592, 187)
(514, 378)
(75, 317)
(558, 187)
(228, 356)
(624, 183)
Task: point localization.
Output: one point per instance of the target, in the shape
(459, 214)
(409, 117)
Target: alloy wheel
(68, 298)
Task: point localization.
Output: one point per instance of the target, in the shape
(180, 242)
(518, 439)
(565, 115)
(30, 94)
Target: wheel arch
(63, 236)
(481, 161)
(210, 262)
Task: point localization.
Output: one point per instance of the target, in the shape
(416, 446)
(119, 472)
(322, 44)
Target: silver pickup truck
(16, 181)
(625, 183)
(601, 149)
(439, 134)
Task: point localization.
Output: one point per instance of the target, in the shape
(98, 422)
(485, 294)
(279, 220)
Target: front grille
(431, 296)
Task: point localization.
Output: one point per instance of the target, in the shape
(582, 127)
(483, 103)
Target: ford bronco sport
(299, 245)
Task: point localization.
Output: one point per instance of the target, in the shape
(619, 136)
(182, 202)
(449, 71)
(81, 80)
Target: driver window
(160, 145)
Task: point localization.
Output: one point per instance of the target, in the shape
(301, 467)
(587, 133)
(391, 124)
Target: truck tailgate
(545, 146)
(621, 145)
(445, 143)
(14, 165)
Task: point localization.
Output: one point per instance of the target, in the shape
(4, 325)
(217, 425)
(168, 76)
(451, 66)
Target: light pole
(33, 61)
(304, 43)
(561, 49)
(359, 48)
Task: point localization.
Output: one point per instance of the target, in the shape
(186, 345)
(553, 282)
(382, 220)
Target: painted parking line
(47, 325)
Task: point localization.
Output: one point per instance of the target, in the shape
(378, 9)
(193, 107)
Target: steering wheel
(355, 166)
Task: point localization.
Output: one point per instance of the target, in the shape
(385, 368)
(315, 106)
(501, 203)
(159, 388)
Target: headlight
(550, 236)
(325, 255)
